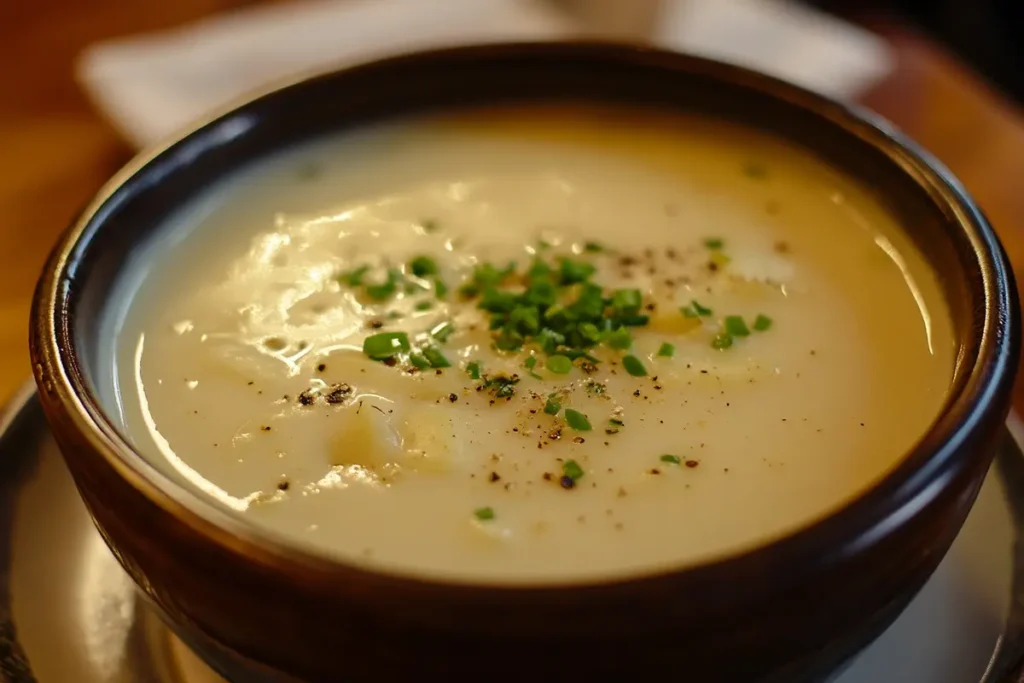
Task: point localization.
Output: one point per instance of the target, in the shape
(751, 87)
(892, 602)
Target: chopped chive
(674, 459)
(592, 247)
(722, 341)
(552, 406)
(666, 350)
(762, 323)
(633, 320)
(714, 243)
(619, 339)
(577, 420)
(530, 364)
(627, 300)
(385, 290)
(424, 305)
(616, 422)
(442, 331)
(688, 312)
(570, 272)
(436, 358)
(385, 345)
(572, 469)
(354, 277)
(700, 310)
(484, 514)
(634, 366)
(419, 361)
(735, 326)
(473, 369)
(440, 288)
(505, 390)
(590, 332)
(422, 266)
(558, 364)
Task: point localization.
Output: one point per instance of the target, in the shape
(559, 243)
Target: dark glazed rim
(984, 374)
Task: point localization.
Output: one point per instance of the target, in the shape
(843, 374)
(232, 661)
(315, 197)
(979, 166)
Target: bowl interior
(940, 220)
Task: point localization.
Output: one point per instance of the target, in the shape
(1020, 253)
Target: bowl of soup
(536, 360)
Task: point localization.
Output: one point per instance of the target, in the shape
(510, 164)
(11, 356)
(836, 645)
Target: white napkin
(149, 86)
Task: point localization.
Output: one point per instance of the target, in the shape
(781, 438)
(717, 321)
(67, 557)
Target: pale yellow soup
(240, 365)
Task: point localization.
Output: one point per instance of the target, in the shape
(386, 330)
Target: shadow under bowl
(788, 611)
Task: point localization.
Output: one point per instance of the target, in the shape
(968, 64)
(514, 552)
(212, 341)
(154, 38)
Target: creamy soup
(533, 344)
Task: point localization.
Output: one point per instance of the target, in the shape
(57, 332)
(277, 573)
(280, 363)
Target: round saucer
(69, 613)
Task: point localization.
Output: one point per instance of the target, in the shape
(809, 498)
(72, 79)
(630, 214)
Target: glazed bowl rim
(917, 479)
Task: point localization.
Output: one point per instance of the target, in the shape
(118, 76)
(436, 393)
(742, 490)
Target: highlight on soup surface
(539, 343)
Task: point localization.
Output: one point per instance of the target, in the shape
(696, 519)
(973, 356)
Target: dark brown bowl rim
(919, 477)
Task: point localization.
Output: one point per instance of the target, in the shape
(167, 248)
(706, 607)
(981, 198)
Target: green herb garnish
(619, 339)
(674, 459)
(552, 406)
(530, 364)
(666, 350)
(762, 323)
(626, 300)
(354, 277)
(424, 305)
(440, 288)
(577, 420)
(484, 514)
(570, 272)
(422, 266)
(473, 369)
(700, 310)
(634, 366)
(386, 345)
(593, 247)
(572, 469)
(558, 364)
(504, 387)
(442, 331)
(436, 358)
(385, 290)
(418, 361)
(735, 326)
(722, 341)
(714, 243)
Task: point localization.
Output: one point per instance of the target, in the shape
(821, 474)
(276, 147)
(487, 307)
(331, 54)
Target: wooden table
(55, 151)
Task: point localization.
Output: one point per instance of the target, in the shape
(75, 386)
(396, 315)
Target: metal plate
(69, 613)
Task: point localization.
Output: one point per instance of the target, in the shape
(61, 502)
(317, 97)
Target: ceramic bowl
(258, 609)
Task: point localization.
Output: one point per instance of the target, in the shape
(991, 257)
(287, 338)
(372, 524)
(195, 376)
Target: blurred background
(84, 84)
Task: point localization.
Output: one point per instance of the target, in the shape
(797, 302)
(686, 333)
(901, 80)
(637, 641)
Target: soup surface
(533, 344)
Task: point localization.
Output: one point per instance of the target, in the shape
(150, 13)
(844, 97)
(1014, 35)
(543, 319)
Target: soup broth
(540, 343)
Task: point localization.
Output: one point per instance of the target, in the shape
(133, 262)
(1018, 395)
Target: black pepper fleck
(338, 393)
